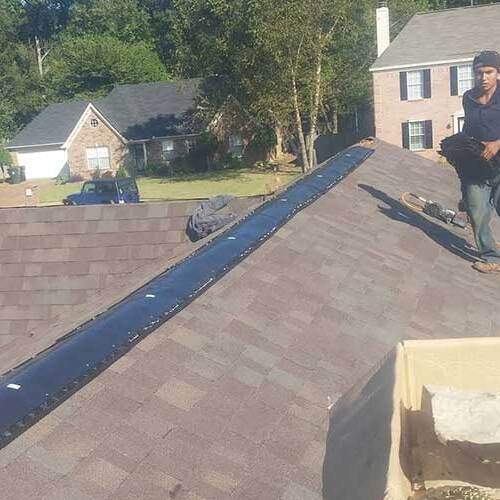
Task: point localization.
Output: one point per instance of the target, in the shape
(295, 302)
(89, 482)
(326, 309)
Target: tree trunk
(278, 149)
(315, 108)
(39, 58)
(300, 131)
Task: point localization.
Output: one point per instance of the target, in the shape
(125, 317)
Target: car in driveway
(105, 191)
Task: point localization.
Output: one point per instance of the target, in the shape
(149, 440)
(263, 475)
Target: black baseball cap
(489, 58)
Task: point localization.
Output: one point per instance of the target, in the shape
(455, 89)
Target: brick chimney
(383, 39)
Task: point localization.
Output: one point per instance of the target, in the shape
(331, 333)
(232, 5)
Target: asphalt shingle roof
(52, 126)
(136, 111)
(149, 110)
(447, 35)
(227, 399)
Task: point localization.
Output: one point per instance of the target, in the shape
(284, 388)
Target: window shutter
(453, 80)
(403, 86)
(405, 129)
(427, 84)
(428, 134)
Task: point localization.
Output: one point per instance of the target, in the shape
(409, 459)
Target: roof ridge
(469, 7)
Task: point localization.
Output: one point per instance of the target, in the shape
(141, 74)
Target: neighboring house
(420, 77)
(132, 126)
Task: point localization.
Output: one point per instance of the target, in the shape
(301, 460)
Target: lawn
(244, 182)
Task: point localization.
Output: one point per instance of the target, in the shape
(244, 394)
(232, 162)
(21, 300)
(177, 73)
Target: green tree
(89, 66)
(124, 20)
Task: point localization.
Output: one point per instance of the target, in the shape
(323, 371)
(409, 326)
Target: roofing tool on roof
(433, 209)
(52, 376)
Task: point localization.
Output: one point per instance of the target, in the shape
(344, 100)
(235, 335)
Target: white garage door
(42, 164)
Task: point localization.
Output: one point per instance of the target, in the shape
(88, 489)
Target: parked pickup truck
(120, 190)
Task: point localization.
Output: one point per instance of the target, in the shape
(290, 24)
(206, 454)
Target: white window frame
(103, 156)
(411, 128)
(465, 78)
(415, 85)
(190, 144)
(236, 145)
(457, 117)
(168, 149)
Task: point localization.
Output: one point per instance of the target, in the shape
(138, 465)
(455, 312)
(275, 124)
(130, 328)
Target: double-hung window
(417, 135)
(415, 82)
(168, 149)
(465, 77)
(190, 144)
(98, 158)
(236, 145)
(415, 85)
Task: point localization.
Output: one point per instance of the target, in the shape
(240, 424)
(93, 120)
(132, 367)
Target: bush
(75, 178)
(157, 170)
(5, 158)
(121, 172)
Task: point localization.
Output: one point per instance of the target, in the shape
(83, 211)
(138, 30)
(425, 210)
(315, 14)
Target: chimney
(383, 39)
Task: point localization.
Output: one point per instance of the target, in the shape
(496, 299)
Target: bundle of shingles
(464, 154)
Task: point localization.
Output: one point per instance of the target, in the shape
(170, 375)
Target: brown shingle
(237, 409)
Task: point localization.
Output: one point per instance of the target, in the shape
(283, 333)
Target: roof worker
(482, 122)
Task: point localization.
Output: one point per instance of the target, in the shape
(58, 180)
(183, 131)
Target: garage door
(42, 164)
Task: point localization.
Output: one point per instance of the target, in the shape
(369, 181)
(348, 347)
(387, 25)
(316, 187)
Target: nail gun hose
(406, 201)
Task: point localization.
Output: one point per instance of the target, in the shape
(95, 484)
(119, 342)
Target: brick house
(420, 77)
(132, 126)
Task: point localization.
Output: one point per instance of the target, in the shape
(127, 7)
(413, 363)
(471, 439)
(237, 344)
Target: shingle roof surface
(136, 111)
(227, 400)
(454, 34)
(52, 126)
(61, 265)
(149, 110)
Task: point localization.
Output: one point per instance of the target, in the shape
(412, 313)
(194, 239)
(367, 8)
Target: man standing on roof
(482, 122)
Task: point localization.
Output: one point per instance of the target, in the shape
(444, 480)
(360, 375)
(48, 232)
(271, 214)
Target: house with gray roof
(133, 125)
(419, 78)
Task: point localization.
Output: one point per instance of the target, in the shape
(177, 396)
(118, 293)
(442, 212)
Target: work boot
(486, 267)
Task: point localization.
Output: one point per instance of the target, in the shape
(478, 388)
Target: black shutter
(453, 80)
(427, 84)
(403, 86)
(405, 130)
(428, 134)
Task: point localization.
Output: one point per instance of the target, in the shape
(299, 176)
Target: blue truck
(105, 191)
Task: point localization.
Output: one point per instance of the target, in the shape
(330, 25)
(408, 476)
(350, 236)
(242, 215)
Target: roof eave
(422, 64)
(36, 145)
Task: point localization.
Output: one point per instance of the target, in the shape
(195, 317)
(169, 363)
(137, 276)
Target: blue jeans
(480, 206)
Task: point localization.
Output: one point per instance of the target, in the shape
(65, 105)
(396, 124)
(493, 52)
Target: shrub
(121, 172)
(75, 178)
(157, 170)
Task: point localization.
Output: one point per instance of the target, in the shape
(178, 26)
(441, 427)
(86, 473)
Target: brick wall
(154, 149)
(89, 137)
(391, 111)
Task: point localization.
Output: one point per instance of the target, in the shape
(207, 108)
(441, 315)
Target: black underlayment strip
(36, 387)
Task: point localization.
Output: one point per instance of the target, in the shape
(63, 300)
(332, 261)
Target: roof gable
(451, 35)
(52, 126)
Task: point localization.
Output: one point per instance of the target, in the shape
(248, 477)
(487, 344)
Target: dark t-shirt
(482, 121)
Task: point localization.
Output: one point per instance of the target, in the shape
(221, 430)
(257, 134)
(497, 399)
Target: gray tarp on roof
(52, 126)
(151, 110)
(445, 35)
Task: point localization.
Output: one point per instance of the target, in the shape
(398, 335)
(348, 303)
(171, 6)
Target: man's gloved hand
(490, 150)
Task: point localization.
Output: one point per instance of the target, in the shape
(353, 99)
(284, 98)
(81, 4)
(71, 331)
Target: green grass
(244, 182)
